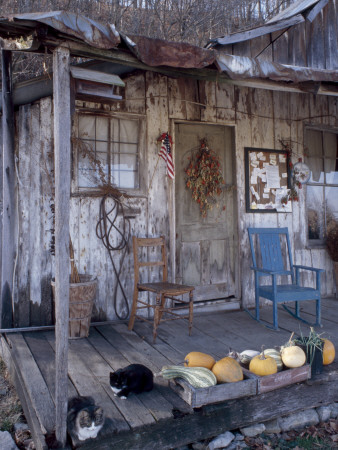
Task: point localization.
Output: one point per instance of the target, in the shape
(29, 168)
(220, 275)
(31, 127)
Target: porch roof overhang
(42, 32)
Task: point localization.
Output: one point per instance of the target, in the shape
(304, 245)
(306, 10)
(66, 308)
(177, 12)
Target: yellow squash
(227, 370)
(198, 359)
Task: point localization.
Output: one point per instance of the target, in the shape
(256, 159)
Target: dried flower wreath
(204, 177)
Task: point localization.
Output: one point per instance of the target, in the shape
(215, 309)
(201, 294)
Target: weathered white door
(206, 248)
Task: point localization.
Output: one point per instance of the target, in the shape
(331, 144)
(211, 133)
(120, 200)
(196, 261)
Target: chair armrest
(271, 272)
(314, 269)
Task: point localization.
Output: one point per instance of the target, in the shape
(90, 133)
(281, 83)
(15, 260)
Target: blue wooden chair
(269, 260)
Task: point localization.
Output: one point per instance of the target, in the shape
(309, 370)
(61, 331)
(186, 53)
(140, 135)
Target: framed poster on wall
(267, 180)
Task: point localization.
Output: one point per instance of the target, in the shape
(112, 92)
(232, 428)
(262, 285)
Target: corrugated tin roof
(52, 29)
(92, 32)
(242, 67)
(295, 8)
(296, 13)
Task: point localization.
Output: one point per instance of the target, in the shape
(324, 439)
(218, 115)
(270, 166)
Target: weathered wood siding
(260, 117)
(306, 44)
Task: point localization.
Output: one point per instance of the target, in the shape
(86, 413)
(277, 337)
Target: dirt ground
(12, 418)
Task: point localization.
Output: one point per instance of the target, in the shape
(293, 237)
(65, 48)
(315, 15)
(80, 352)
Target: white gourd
(275, 354)
(293, 356)
(246, 356)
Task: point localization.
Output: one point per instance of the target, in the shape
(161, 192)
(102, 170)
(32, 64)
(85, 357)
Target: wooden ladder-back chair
(162, 289)
(271, 257)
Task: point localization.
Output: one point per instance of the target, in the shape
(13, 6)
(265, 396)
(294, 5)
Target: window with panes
(107, 151)
(322, 188)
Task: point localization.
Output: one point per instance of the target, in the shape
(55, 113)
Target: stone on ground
(299, 420)
(221, 441)
(253, 430)
(6, 441)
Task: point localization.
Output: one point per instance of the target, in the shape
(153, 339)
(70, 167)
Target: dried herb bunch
(204, 177)
(293, 193)
(311, 343)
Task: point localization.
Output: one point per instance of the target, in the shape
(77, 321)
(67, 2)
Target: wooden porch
(161, 419)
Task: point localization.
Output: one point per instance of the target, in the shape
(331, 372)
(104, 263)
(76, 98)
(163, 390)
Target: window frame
(89, 191)
(318, 243)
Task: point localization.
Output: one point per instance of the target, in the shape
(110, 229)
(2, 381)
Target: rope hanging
(105, 226)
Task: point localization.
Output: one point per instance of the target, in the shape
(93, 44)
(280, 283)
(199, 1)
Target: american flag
(166, 154)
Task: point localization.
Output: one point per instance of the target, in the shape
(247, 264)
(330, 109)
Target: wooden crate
(283, 378)
(197, 397)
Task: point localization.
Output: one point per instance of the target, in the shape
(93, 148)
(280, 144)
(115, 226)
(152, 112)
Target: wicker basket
(81, 301)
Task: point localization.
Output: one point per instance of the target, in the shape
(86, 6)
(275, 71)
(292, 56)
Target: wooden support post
(8, 187)
(62, 126)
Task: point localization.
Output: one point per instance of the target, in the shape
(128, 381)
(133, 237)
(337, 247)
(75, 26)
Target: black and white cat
(84, 419)
(135, 378)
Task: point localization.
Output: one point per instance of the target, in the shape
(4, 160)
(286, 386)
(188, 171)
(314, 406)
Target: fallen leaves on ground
(321, 436)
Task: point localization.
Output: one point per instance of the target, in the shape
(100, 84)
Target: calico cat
(135, 378)
(84, 419)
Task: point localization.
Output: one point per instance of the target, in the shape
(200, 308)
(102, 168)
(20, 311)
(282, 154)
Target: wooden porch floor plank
(87, 384)
(133, 410)
(138, 351)
(34, 384)
(198, 341)
(289, 324)
(118, 361)
(45, 358)
(228, 332)
(145, 331)
(113, 346)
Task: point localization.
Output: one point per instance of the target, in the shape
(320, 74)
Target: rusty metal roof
(62, 25)
(48, 30)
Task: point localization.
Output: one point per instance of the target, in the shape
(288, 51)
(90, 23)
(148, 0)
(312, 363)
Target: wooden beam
(8, 186)
(62, 124)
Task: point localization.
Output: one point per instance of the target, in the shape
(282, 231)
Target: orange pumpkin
(261, 365)
(329, 352)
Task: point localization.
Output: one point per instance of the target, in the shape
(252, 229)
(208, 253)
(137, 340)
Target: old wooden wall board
(330, 35)
(8, 190)
(22, 298)
(296, 45)
(47, 189)
(225, 103)
(259, 118)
